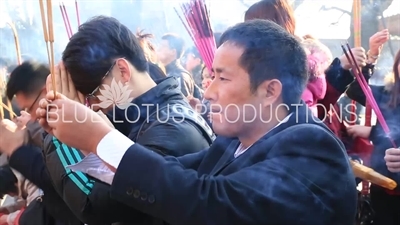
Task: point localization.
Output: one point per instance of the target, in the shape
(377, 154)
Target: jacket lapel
(227, 157)
(302, 115)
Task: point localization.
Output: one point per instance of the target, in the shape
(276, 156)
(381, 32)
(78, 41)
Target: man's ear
(124, 69)
(270, 91)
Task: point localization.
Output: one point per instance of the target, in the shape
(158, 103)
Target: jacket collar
(166, 91)
(173, 66)
(301, 114)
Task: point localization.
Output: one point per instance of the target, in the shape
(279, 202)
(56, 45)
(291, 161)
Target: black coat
(157, 127)
(186, 82)
(296, 174)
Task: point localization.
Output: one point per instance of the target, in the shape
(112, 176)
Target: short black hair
(92, 50)
(8, 181)
(175, 42)
(270, 52)
(27, 78)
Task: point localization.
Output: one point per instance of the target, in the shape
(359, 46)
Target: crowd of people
(126, 132)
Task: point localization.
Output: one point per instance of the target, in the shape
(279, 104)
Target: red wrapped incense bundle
(197, 23)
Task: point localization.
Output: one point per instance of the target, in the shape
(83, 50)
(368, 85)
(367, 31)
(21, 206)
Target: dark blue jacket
(296, 174)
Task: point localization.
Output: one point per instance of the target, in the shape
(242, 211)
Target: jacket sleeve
(355, 92)
(166, 138)
(87, 198)
(28, 160)
(35, 134)
(177, 195)
(338, 80)
(337, 77)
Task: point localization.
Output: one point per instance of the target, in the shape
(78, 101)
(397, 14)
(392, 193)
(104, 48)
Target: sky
(310, 19)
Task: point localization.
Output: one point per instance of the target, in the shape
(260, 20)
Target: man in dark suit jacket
(272, 163)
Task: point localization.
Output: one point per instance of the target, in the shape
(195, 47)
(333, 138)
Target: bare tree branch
(324, 8)
(244, 3)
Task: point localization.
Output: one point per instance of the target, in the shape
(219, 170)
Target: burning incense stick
(367, 91)
(67, 20)
(66, 23)
(77, 13)
(4, 106)
(49, 37)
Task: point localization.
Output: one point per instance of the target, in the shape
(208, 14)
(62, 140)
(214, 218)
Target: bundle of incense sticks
(367, 91)
(9, 109)
(197, 23)
(49, 37)
(65, 17)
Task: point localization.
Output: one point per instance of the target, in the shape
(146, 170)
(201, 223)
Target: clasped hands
(66, 117)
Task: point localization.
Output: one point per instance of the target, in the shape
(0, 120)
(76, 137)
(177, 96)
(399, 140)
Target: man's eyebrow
(218, 70)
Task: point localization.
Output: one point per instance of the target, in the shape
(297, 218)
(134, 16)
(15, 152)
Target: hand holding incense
(367, 91)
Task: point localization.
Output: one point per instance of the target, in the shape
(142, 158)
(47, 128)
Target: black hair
(27, 78)
(92, 50)
(175, 42)
(8, 181)
(270, 52)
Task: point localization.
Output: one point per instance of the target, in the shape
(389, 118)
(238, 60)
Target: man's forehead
(227, 56)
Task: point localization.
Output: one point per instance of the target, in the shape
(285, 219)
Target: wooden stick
(51, 40)
(357, 22)
(48, 34)
(4, 106)
(372, 176)
(44, 25)
(1, 108)
(17, 46)
(19, 58)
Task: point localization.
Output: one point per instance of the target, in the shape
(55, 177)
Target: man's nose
(211, 92)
